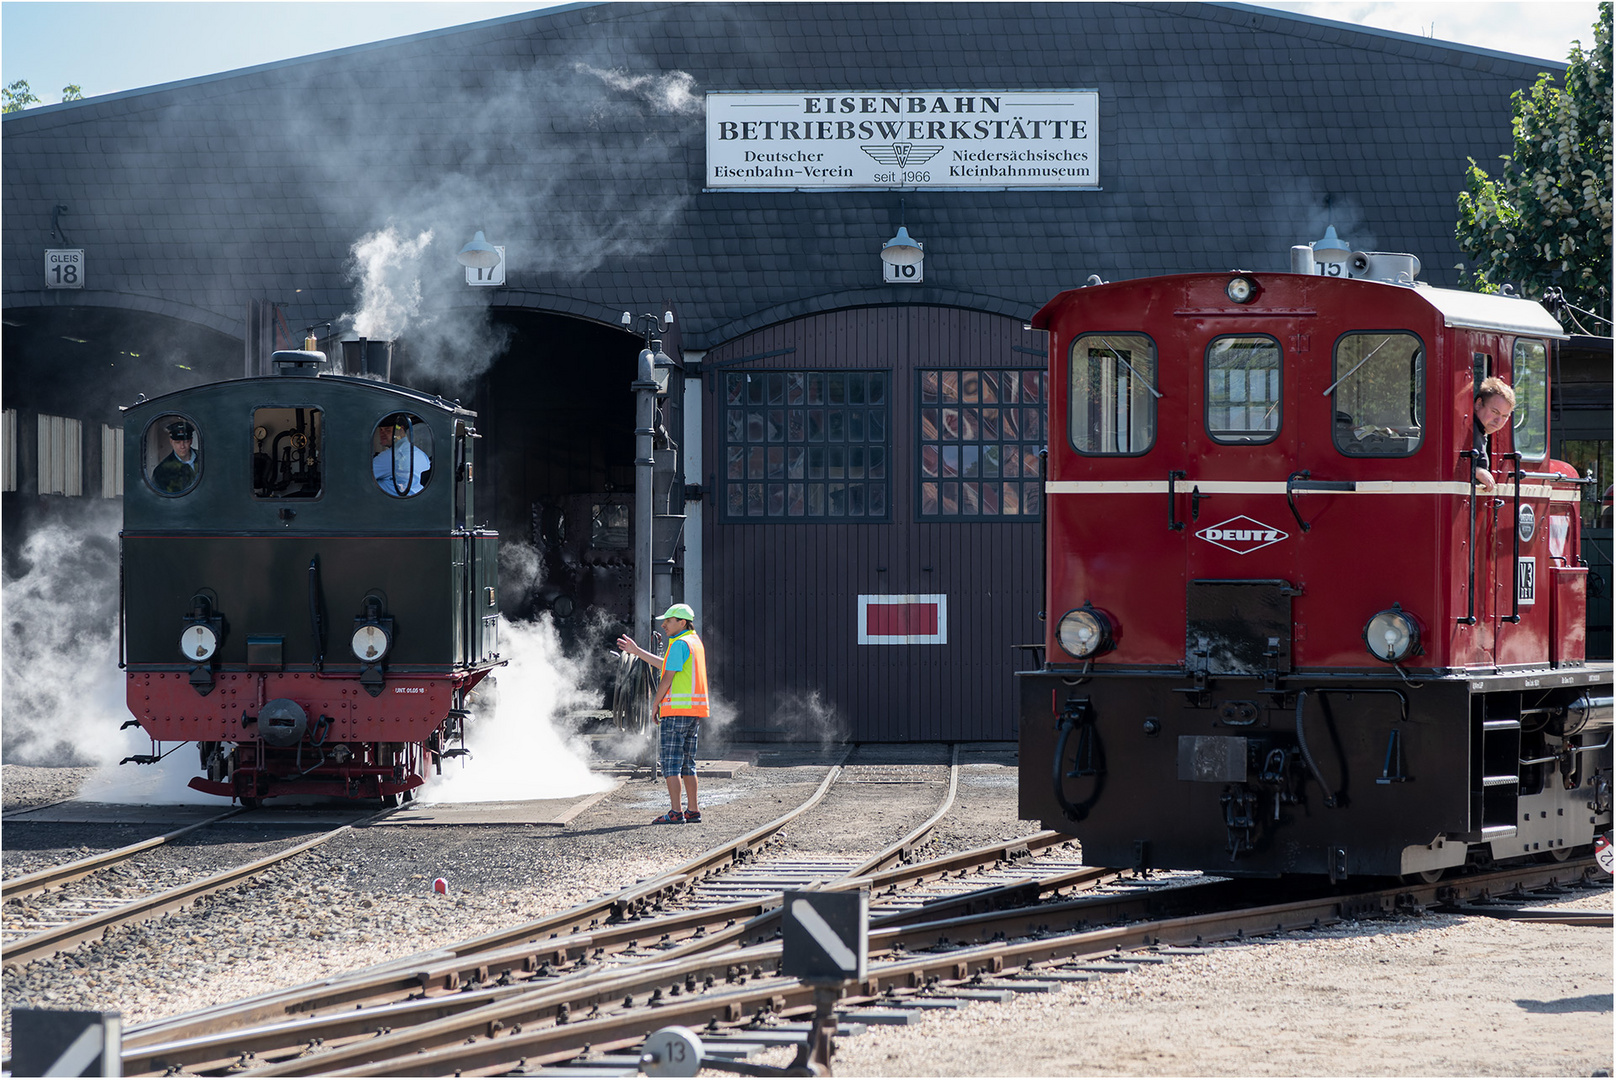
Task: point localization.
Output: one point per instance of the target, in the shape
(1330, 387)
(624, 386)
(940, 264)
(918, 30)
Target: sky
(106, 48)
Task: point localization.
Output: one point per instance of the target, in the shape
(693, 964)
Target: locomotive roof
(291, 385)
(1459, 308)
(1485, 311)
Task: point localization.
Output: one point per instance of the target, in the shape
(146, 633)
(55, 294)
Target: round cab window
(173, 455)
(401, 455)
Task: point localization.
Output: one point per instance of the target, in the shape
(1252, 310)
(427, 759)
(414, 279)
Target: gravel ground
(1433, 995)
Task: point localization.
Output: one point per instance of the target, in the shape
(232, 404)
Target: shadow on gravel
(1595, 1003)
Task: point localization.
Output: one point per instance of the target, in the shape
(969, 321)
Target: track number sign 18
(64, 268)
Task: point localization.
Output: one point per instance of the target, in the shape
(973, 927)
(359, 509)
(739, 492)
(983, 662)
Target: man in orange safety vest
(681, 700)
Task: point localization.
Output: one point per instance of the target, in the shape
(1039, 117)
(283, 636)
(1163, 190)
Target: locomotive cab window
(1242, 389)
(287, 453)
(173, 454)
(1530, 376)
(401, 455)
(1113, 381)
(1378, 394)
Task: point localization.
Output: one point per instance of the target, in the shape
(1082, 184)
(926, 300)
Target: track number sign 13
(64, 268)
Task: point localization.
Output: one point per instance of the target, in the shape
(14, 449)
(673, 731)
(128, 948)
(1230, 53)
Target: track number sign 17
(64, 268)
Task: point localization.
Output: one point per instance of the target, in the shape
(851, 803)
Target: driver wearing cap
(177, 472)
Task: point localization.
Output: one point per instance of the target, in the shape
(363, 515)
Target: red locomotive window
(1243, 389)
(1529, 375)
(1378, 389)
(1113, 380)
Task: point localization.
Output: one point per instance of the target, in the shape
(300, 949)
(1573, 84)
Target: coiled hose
(631, 695)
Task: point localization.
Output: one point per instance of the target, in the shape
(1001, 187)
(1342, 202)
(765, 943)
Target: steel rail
(65, 937)
(404, 973)
(160, 1046)
(28, 884)
(903, 850)
(558, 999)
(505, 1048)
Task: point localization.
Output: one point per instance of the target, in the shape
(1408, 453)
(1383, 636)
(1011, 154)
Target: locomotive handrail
(1309, 484)
(1562, 477)
(1172, 504)
(316, 617)
(1470, 548)
(1515, 521)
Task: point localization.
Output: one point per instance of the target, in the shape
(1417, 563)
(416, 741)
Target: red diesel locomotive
(1288, 629)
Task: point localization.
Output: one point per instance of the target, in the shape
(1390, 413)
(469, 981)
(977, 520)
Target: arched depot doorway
(556, 413)
(67, 370)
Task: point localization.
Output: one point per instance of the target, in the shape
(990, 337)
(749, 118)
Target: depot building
(854, 493)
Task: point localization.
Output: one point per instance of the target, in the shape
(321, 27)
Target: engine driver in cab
(1495, 401)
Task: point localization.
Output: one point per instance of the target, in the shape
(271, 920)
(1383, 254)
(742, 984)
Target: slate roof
(1227, 133)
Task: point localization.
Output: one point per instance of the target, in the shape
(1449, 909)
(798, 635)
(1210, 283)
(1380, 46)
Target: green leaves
(1545, 221)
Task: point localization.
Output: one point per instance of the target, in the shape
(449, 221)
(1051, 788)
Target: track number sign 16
(64, 268)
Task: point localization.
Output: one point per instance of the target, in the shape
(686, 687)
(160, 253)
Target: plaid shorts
(679, 745)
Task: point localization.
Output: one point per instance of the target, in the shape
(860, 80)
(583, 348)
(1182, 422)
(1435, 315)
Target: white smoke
(673, 92)
(517, 749)
(809, 717)
(385, 269)
(64, 694)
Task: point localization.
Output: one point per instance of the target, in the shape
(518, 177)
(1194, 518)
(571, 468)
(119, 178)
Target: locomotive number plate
(1526, 580)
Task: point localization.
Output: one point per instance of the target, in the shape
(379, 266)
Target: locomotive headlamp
(370, 643)
(1392, 635)
(1084, 632)
(1241, 289)
(198, 642)
(372, 634)
(199, 638)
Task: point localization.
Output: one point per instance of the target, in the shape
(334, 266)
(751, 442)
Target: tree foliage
(19, 96)
(1545, 223)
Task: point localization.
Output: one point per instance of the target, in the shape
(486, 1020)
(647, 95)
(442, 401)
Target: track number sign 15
(64, 268)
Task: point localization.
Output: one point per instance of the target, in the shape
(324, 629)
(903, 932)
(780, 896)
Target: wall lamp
(479, 253)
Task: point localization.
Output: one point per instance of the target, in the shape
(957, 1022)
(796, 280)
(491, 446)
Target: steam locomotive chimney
(371, 359)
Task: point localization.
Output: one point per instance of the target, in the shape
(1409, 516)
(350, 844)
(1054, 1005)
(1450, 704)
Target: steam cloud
(517, 750)
(670, 93)
(521, 144)
(64, 694)
(383, 268)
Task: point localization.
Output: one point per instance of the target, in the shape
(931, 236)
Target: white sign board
(488, 275)
(64, 268)
(907, 274)
(844, 139)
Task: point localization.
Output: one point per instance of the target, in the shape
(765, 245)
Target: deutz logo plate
(1242, 535)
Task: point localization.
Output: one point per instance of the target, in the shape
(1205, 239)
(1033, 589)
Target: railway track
(923, 964)
(90, 912)
(610, 925)
(697, 946)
